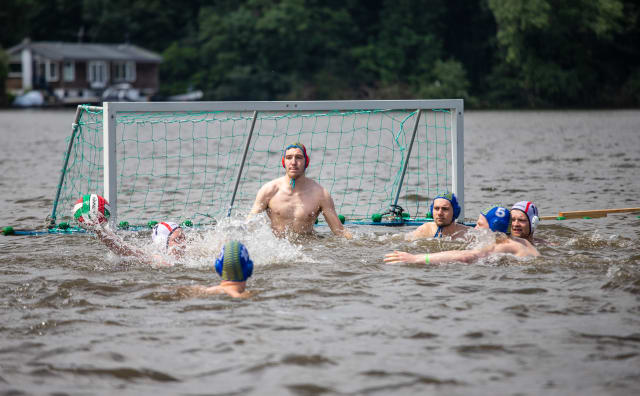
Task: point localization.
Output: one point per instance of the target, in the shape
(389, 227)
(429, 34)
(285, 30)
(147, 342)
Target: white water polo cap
(162, 232)
(531, 211)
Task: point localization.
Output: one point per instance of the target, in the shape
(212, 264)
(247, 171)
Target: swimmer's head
(524, 219)
(495, 218)
(169, 236)
(234, 264)
(302, 148)
(445, 213)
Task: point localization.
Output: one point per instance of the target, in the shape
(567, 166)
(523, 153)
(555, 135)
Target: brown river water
(328, 316)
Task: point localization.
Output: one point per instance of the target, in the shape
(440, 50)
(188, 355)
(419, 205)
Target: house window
(69, 71)
(15, 70)
(97, 74)
(42, 72)
(51, 71)
(124, 71)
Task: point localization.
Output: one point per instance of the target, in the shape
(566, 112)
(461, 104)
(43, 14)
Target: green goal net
(182, 161)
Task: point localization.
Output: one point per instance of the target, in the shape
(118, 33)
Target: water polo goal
(381, 160)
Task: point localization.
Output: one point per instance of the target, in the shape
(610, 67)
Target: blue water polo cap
(233, 264)
(451, 197)
(498, 218)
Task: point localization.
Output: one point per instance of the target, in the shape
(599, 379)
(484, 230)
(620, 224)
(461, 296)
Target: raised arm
(329, 211)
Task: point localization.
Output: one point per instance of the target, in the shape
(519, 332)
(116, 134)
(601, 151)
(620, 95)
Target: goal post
(202, 161)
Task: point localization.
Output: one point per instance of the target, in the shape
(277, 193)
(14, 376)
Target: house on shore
(72, 73)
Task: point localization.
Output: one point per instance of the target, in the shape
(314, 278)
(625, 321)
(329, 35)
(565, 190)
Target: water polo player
(293, 202)
(444, 211)
(494, 218)
(171, 237)
(168, 237)
(524, 220)
(234, 267)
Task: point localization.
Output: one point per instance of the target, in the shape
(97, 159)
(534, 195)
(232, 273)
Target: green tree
(265, 49)
(180, 64)
(15, 21)
(154, 24)
(551, 49)
(449, 81)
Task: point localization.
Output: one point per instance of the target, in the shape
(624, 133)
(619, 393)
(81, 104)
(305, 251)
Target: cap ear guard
(247, 269)
(534, 220)
(219, 262)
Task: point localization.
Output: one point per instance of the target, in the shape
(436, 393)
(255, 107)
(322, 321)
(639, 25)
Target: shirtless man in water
(444, 210)
(495, 218)
(293, 201)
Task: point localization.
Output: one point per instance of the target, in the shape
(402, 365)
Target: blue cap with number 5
(499, 218)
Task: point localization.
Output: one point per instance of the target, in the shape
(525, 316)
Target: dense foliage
(493, 53)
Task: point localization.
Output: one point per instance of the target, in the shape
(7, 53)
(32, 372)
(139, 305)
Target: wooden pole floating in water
(578, 214)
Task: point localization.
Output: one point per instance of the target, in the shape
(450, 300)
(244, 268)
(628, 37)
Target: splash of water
(255, 233)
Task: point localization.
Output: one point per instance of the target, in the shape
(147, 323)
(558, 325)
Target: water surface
(329, 317)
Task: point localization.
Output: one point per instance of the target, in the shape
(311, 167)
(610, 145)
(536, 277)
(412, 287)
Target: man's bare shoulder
(316, 187)
(428, 227)
(515, 245)
(271, 187)
(426, 230)
(522, 241)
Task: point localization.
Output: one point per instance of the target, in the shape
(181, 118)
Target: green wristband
(426, 259)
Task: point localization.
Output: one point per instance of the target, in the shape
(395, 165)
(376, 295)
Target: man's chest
(294, 205)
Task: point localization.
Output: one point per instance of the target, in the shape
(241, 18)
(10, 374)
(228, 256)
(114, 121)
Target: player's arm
(262, 199)
(464, 256)
(329, 212)
(427, 230)
(118, 246)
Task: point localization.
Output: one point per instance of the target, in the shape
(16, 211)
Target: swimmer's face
(442, 212)
(177, 243)
(519, 224)
(481, 223)
(294, 162)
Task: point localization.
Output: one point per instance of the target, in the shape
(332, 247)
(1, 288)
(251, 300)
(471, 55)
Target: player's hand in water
(403, 258)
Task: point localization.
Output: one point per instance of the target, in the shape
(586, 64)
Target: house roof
(85, 51)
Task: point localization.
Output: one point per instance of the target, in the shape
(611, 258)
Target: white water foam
(255, 233)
